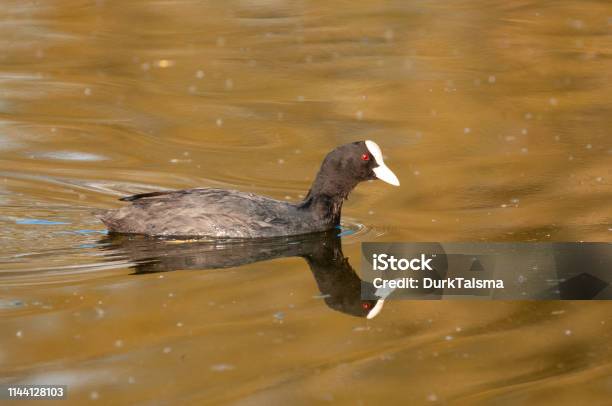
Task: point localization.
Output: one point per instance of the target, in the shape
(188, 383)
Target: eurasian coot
(220, 213)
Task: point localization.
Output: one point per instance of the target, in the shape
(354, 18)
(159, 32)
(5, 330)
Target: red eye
(365, 305)
(365, 157)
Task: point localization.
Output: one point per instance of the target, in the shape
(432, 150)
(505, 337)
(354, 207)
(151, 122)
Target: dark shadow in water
(339, 284)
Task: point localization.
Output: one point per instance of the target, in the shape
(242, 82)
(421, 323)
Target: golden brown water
(496, 117)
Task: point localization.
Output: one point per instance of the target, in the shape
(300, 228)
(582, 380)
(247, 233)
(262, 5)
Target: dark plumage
(220, 213)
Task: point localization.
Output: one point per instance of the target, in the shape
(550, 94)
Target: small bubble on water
(200, 74)
(449, 338)
(179, 324)
(432, 397)
(300, 98)
(221, 367)
(389, 34)
(467, 130)
(524, 150)
(165, 63)
(19, 333)
(167, 350)
(87, 91)
(94, 395)
(568, 332)
(588, 146)
(557, 312)
(279, 316)
(118, 343)
(524, 131)
(359, 115)
(528, 116)
(229, 84)
(577, 24)
(219, 122)
(553, 101)
(131, 380)
(492, 79)
(280, 161)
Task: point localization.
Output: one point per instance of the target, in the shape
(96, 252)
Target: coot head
(347, 165)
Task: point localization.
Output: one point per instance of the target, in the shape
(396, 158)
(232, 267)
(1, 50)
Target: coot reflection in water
(339, 284)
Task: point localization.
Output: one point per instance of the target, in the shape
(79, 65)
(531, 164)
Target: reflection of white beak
(382, 293)
(376, 309)
(382, 171)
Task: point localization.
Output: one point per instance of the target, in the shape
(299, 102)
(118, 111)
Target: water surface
(496, 118)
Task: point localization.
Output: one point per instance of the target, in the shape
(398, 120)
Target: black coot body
(220, 213)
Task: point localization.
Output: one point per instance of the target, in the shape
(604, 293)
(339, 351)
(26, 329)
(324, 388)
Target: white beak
(382, 171)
